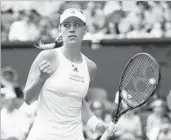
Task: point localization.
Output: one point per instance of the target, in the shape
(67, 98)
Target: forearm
(32, 91)
(90, 119)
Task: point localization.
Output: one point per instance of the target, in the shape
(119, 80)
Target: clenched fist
(45, 68)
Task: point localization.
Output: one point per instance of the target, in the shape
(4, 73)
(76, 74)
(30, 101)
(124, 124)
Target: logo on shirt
(72, 12)
(75, 69)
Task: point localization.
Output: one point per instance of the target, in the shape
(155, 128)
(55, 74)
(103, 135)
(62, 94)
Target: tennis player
(59, 79)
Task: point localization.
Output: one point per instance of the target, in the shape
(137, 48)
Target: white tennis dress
(60, 102)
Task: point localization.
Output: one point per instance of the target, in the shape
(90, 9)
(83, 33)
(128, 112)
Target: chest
(70, 80)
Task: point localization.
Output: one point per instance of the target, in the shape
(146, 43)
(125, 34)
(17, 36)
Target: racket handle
(109, 131)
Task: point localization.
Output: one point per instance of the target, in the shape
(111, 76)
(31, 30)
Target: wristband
(93, 122)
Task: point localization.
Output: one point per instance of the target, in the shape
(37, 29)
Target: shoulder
(49, 55)
(91, 64)
(15, 25)
(92, 67)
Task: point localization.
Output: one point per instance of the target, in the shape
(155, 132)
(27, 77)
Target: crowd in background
(149, 122)
(105, 19)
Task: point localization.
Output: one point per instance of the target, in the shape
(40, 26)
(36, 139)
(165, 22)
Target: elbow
(27, 100)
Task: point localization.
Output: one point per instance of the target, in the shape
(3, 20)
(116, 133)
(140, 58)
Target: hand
(101, 127)
(109, 132)
(45, 69)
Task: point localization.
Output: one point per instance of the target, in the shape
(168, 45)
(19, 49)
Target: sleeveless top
(60, 102)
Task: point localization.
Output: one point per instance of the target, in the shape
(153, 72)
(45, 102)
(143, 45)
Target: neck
(72, 52)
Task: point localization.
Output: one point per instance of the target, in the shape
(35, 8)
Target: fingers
(100, 128)
(45, 67)
(109, 132)
(112, 128)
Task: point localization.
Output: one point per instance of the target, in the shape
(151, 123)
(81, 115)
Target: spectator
(14, 123)
(151, 15)
(156, 31)
(44, 28)
(24, 29)
(155, 120)
(12, 115)
(165, 129)
(139, 15)
(8, 119)
(124, 27)
(138, 31)
(166, 10)
(98, 109)
(167, 27)
(96, 18)
(130, 126)
(9, 81)
(100, 94)
(111, 6)
(4, 32)
(111, 28)
(155, 12)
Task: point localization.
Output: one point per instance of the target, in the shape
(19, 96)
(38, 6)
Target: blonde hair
(58, 42)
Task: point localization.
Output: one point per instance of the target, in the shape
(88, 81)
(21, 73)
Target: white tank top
(60, 102)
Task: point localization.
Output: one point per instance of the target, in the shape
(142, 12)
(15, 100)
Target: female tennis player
(59, 79)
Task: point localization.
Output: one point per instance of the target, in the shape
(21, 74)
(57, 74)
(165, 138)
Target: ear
(85, 30)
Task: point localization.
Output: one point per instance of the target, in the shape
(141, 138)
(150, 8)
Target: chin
(72, 42)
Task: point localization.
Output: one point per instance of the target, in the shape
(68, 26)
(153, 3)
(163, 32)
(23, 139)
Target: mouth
(72, 36)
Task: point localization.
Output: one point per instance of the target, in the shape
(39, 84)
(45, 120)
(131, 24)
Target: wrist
(101, 127)
(93, 122)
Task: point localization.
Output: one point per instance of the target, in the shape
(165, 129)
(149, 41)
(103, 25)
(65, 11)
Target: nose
(72, 28)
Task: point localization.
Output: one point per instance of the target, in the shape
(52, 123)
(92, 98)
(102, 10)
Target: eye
(77, 24)
(66, 25)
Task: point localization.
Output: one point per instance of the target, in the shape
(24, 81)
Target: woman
(62, 75)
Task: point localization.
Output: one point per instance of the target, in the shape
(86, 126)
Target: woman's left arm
(86, 111)
(87, 115)
(90, 119)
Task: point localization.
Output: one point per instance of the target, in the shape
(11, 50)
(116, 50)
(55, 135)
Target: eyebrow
(74, 21)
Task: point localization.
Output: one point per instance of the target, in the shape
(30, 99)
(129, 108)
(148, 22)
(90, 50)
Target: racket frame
(117, 115)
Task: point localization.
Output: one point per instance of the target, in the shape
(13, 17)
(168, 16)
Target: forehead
(73, 19)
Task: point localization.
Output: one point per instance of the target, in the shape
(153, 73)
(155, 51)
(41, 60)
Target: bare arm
(36, 78)
(86, 111)
(92, 68)
(88, 116)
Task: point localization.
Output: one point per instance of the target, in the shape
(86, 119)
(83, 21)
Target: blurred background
(117, 30)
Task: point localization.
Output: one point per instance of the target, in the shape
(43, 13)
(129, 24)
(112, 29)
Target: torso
(70, 79)
(60, 102)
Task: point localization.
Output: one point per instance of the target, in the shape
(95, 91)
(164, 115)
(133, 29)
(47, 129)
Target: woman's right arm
(40, 70)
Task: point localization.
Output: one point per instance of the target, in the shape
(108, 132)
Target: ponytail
(58, 42)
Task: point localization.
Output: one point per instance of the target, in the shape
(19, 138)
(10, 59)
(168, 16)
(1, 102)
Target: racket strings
(131, 88)
(136, 80)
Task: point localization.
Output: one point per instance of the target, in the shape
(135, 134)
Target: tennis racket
(138, 83)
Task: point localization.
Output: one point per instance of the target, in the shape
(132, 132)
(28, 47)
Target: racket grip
(109, 131)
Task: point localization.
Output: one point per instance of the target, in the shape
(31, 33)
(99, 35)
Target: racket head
(139, 79)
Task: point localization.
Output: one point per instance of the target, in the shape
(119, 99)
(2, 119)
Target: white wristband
(93, 122)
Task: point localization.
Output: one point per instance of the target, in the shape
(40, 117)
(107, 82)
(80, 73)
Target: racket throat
(115, 120)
